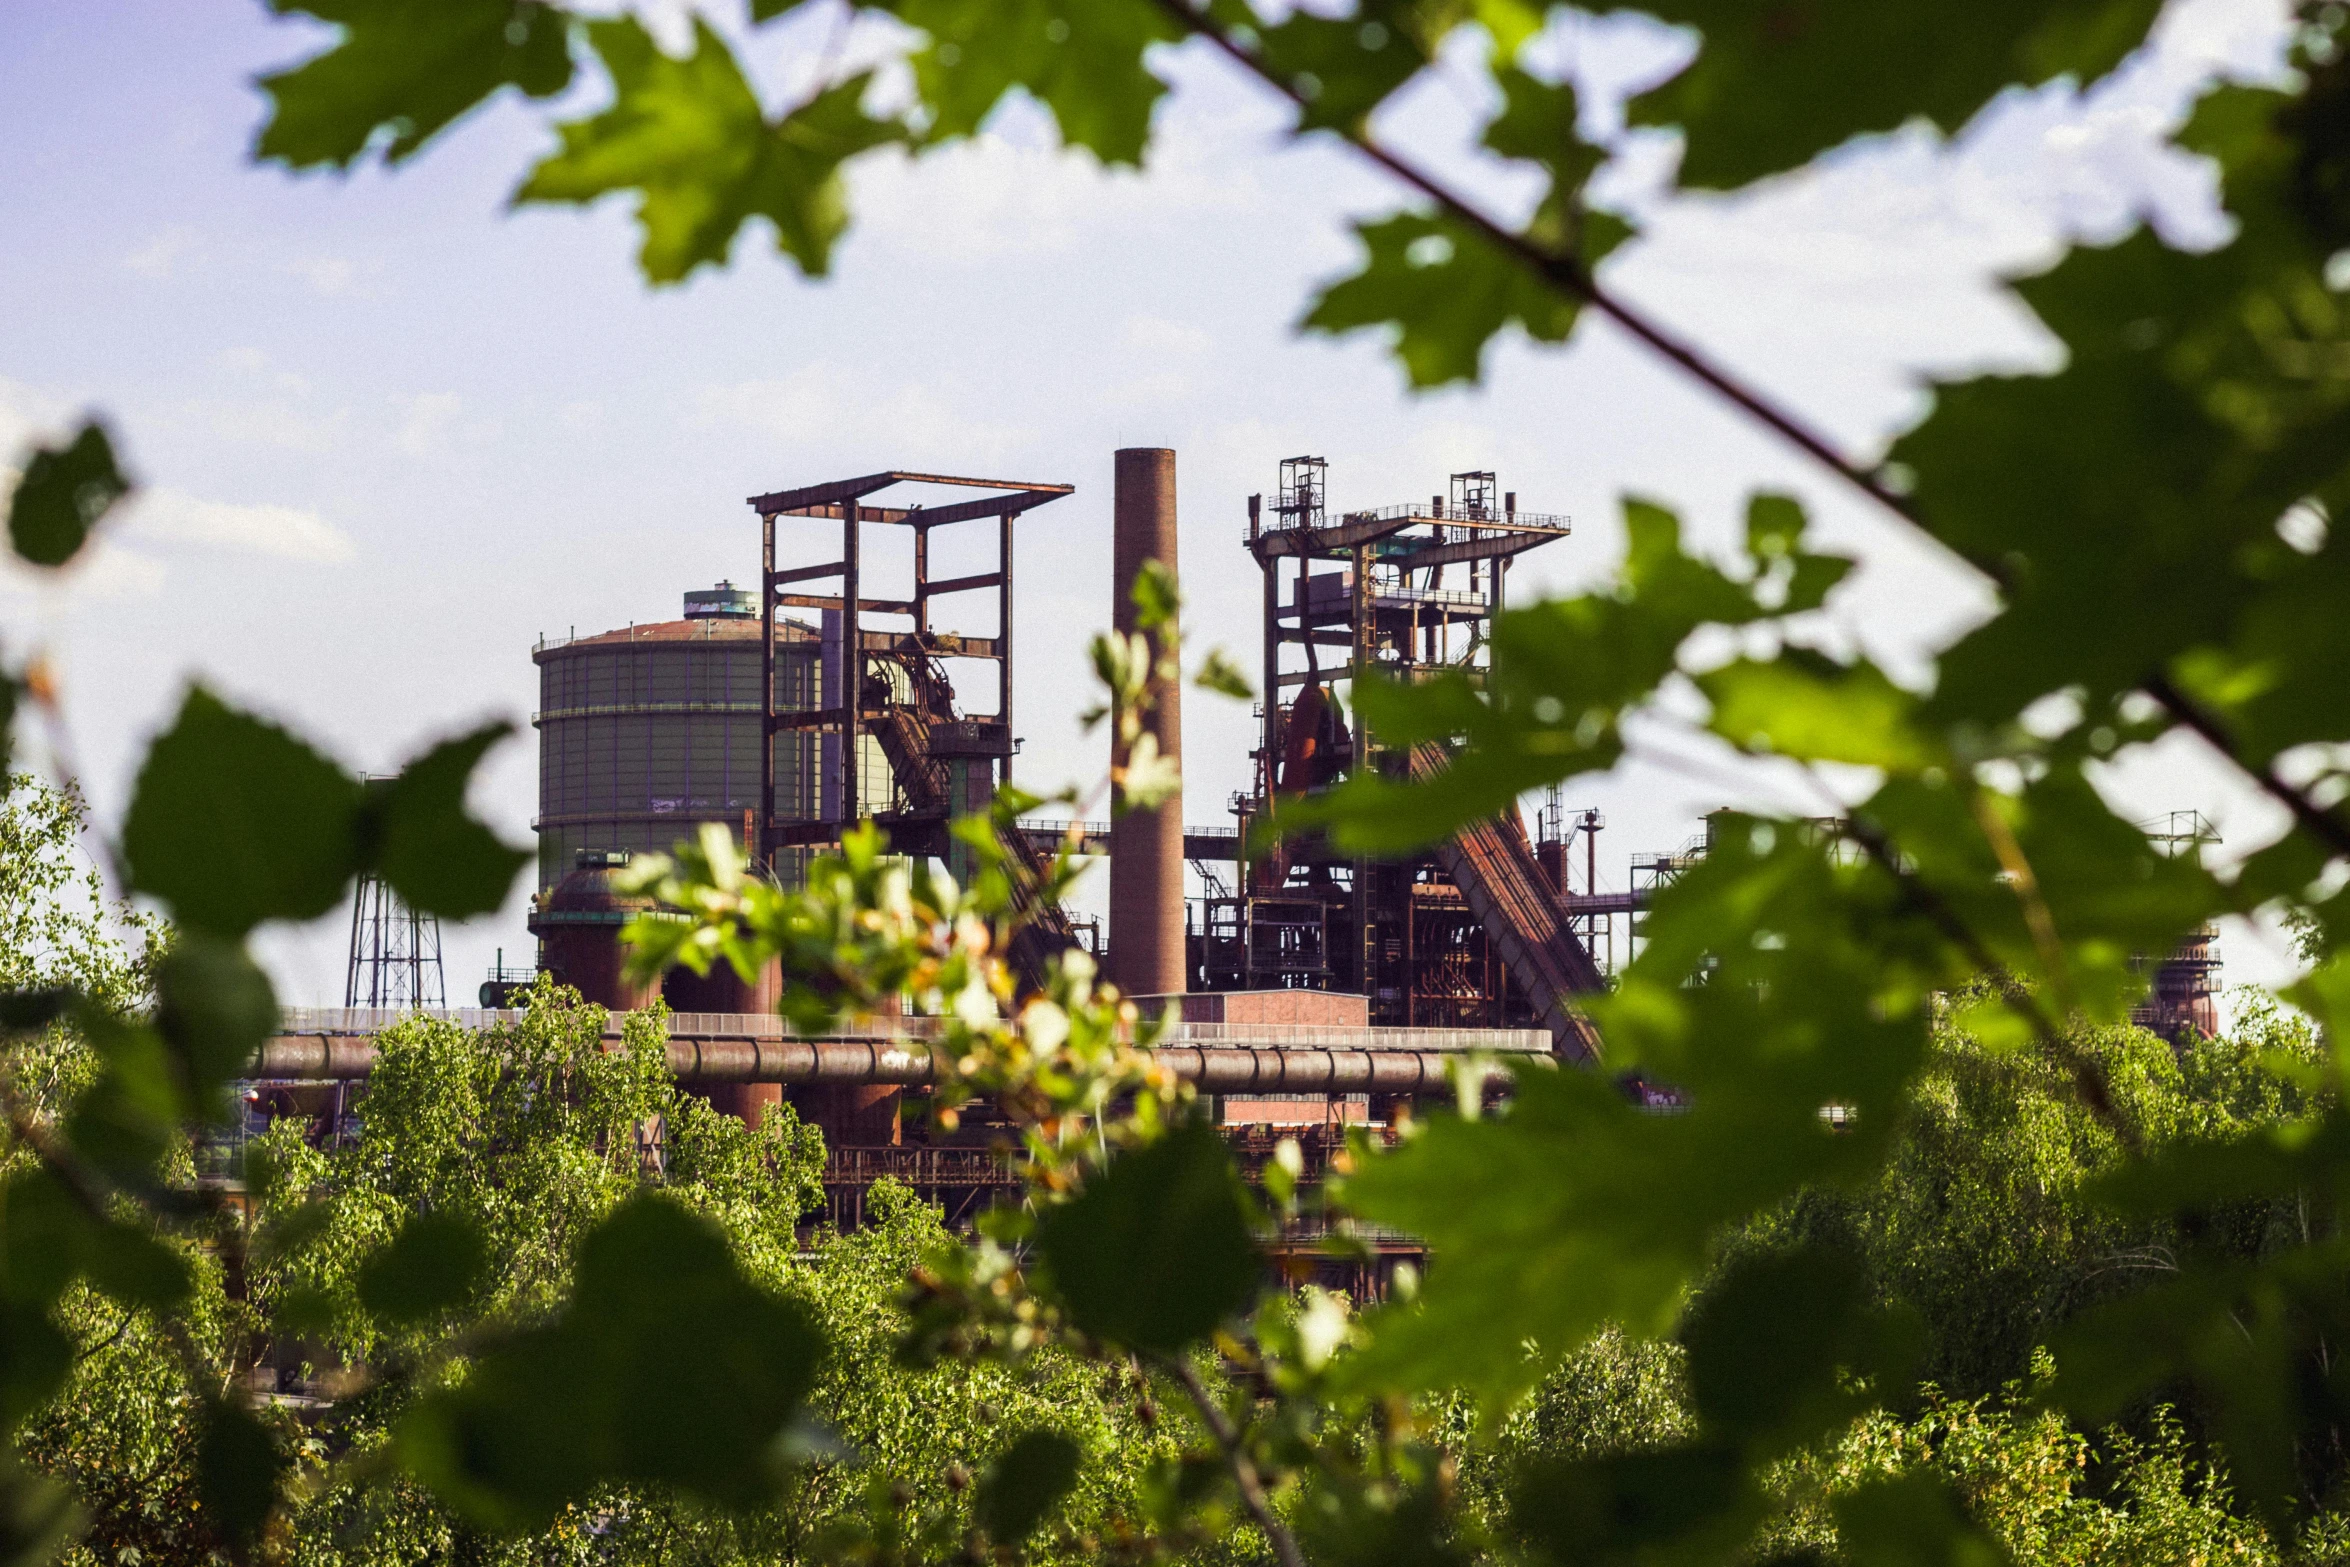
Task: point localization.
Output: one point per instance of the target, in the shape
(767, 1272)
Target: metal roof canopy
(825, 500)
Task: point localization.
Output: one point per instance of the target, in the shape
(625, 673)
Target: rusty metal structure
(1308, 992)
(2182, 998)
(892, 745)
(883, 736)
(1470, 933)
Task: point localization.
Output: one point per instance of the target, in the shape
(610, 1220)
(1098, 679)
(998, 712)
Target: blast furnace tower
(1469, 934)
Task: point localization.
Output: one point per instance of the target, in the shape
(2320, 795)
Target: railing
(1461, 516)
(547, 644)
(917, 1166)
(1060, 828)
(1446, 598)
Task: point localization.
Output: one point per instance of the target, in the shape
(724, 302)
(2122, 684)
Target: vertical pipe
(1266, 776)
(1003, 633)
(760, 846)
(1146, 850)
(1359, 666)
(852, 657)
(1359, 655)
(1272, 685)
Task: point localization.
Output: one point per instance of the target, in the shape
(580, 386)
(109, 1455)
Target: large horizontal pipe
(1228, 1070)
(1216, 1069)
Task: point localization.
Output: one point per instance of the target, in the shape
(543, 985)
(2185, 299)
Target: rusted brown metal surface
(860, 692)
(1467, 934)
(1493, 865)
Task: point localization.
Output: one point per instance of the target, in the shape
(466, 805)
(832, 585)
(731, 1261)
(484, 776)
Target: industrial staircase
(1043, 928)
(1493, 865)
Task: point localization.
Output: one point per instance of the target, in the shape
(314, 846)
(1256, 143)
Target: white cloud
(284, 532)
(1008, 193)
(1165, 389)
(269, 406)
(28, 414)
(161, 256)
(1158, 335)
(329, 275)
(278, 423)
(113, 571)
(819, 404)
(253, 362)
(104, 569)
(428, 421)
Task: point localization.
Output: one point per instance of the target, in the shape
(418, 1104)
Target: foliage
(2042, 1492)
(527, 1137)
(1984, 1220)
(58, 926)
(2153, 514)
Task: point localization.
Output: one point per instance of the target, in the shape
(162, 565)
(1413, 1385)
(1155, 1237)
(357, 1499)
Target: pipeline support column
(1146, 847)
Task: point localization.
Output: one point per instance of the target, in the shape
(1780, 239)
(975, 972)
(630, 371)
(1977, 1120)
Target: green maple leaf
(690, 135)
(1446, 291)
(1081, 59)
(1444, 288)
(407, 67)
(1778, 82)
(2130, 502)
(1344, 67)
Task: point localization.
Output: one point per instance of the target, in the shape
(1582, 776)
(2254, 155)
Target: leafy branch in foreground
(1751, 104)
(2156, 515)
(235, 823)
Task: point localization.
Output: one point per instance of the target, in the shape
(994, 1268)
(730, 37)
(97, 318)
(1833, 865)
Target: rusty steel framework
(1469, 934)
(882, 679)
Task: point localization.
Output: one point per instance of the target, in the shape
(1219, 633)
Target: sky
(390, 432)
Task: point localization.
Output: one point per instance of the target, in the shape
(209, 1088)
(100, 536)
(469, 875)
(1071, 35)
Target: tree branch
(1567, 274)
(1564, 272)
(1244, 1472)
(2326, 826)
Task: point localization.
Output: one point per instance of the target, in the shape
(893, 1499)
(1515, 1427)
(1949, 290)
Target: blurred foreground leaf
(1775, 85)
(430, 1266)
(690, 135)
(235, 821)
(1023, 1486)
(403, 71)
(63, 493)
(439, 859)
(238, 1464)
(668, 1367)
(1156, 1250)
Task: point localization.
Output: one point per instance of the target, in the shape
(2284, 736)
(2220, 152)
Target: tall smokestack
(1146, 847)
